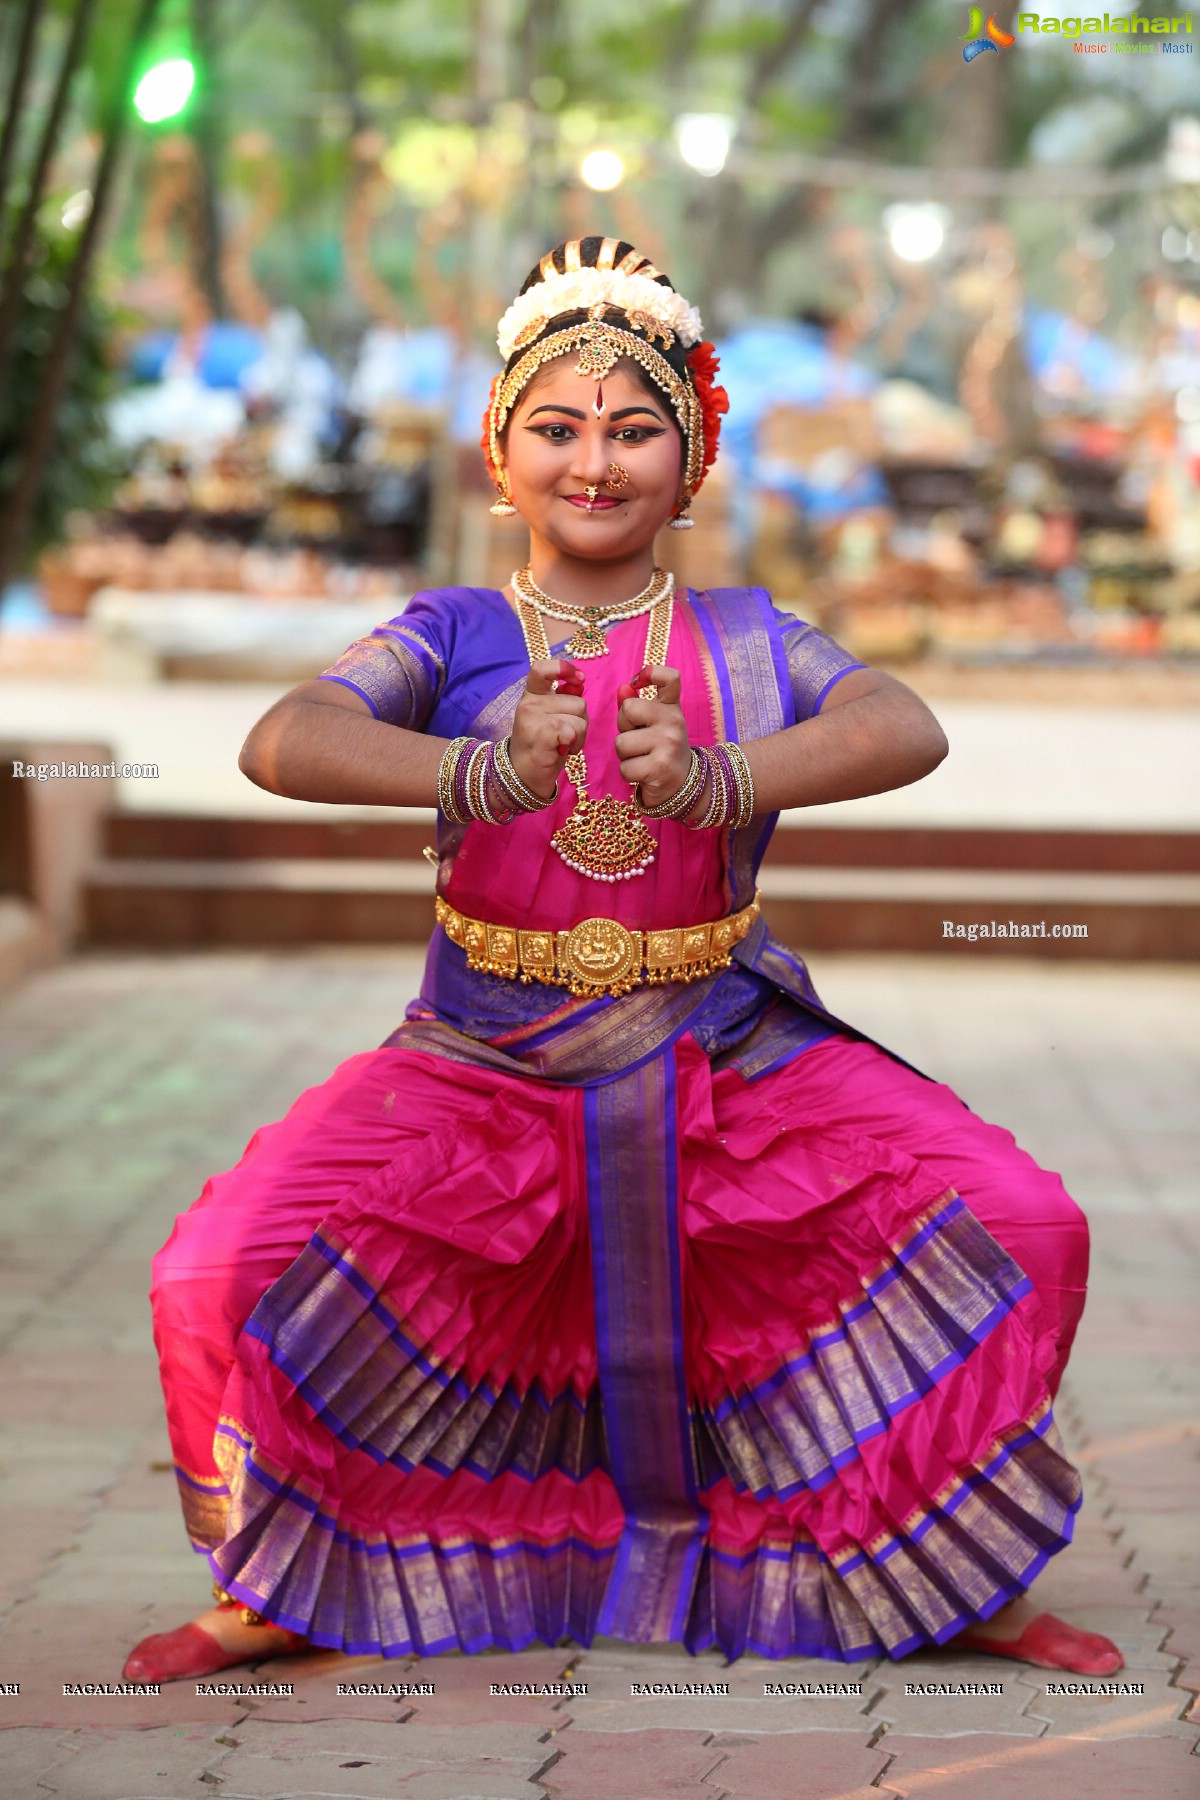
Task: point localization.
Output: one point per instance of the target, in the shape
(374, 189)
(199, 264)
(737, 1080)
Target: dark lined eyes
(641, 432)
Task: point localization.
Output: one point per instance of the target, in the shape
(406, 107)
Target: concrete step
(278, 900)
(27, 941)
(164, 835)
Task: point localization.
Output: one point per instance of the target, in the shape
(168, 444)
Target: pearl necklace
(588, 639)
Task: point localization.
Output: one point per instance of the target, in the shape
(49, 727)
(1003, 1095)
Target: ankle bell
(247, 1614)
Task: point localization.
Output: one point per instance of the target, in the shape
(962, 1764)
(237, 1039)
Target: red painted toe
(1050, 1643)
(189, 1650)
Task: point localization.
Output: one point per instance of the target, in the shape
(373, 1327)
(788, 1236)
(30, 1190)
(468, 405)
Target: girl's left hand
(652, 740)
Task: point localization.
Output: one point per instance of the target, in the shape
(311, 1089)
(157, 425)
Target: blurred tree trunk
(333, 27)
(973, 133)
(741, 236)
(868, 98)
(864, 112)
(775, 59)
(972, 114)
(12, 285)
(535, 42)
(207, 136)
(39, 436)
(482, 229)
(14, 103)
(734, 234)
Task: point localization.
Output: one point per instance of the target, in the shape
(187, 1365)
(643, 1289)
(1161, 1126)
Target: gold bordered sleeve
(815, 662)
(400, 667)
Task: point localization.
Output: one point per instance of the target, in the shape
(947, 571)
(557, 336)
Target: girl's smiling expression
(556, 448)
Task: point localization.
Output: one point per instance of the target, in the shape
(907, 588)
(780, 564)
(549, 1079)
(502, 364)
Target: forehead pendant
(598, 352)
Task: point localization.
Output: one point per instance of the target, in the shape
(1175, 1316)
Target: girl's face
(557, 447)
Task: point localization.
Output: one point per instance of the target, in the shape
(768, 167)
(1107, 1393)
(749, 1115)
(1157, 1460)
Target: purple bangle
(475, 780)
(717, 797)
(499, 802)
(730, 785)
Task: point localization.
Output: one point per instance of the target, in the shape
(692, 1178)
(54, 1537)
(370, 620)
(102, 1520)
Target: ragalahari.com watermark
(58, 771)
(1009, 928)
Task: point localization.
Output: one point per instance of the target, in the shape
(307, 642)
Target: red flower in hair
(704, 362)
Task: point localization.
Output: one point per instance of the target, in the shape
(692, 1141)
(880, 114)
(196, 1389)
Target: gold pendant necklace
(605, 838)
(589, 639)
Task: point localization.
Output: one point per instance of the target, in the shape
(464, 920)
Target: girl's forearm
(881, 740)
(311, 751)
(307, 750)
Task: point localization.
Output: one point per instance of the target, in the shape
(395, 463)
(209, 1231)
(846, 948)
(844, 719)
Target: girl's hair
(589, 250)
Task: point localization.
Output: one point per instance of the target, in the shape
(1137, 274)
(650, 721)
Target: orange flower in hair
(485, 441)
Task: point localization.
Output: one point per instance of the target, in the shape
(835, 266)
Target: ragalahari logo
(984, 37)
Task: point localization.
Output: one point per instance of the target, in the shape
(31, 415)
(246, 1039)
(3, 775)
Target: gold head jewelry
(600, 345)
(654, 330)
(633, 285)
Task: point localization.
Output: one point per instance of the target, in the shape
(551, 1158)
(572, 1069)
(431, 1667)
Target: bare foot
(1004, 1626)
(216, 1639)
(1048, 1642)
(226, 1625)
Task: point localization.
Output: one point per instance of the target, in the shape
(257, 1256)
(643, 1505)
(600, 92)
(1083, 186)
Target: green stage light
(165, 90)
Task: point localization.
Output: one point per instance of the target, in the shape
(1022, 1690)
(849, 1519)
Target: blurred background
(253, 260)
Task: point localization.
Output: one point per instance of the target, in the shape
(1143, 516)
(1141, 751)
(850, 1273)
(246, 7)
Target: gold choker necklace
(606, 838)
(589, 639)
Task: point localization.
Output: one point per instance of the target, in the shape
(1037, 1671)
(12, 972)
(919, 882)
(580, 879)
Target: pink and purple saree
(689, 1315)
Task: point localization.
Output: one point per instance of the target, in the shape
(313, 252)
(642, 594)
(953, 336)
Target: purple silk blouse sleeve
(815, 662)
(400, 667)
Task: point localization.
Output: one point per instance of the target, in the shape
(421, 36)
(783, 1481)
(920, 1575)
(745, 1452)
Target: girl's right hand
(548, 726)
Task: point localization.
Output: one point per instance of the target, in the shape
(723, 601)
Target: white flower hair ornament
(583, 289)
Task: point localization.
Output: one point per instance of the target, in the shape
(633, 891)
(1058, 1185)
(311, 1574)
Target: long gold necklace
(605, 838)
(589, 639)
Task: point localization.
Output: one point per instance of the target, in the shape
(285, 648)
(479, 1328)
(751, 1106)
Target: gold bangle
(715, 813)
(522, 797)
(745, 784)
(683, 799)
(447, 769)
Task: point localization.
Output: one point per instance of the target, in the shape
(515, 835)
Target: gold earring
(502, 508)
(681, 522)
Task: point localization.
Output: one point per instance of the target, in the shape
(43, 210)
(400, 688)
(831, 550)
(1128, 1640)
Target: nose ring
(616, 477)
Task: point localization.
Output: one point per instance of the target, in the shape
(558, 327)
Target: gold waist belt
(598, 956)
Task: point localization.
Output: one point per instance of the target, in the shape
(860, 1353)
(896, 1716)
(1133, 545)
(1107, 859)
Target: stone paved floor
(126, 1080)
